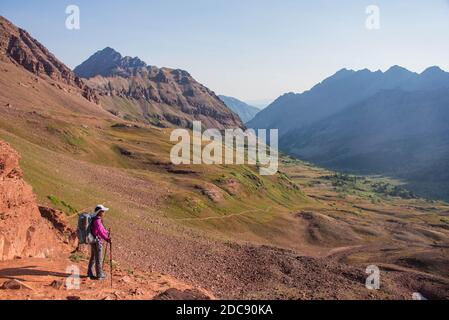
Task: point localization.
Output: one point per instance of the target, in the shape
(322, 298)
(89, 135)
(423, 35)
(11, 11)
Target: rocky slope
(20, 47)
(23, 231)
(131, 89)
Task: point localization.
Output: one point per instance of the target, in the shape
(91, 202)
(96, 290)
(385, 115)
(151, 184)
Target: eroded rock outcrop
(23, 231)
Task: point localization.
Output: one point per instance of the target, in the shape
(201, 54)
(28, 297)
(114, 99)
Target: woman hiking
(100, 234)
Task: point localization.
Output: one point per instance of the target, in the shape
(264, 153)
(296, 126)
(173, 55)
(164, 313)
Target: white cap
(101, 207)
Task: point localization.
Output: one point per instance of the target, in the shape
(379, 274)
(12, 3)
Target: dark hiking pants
(96, 259)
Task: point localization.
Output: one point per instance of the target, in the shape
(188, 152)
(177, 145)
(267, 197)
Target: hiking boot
(101, 277)
(92, 277)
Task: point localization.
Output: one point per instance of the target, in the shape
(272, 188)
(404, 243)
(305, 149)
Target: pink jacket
(99, 231)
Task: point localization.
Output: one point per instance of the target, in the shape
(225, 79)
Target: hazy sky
(250, 49)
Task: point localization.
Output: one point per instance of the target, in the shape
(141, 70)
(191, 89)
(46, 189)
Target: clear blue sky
(250, 49)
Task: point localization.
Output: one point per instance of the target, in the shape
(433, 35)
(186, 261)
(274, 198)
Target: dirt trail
(342, 251)
(224, 217)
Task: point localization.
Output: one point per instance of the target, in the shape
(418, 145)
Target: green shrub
(62, 205)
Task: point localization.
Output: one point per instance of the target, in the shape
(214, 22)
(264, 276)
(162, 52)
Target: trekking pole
(105, 254)
(110, 255)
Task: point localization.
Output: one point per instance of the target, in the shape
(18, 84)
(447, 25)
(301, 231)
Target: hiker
(100, 234)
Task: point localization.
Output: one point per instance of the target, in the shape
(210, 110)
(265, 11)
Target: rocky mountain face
(24, 232)
(392, 123)
(245, 111)
(165, 97)
(21, 48)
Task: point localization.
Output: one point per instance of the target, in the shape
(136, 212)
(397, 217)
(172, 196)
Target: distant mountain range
(394, 123)
(244, 110)
(135, 91)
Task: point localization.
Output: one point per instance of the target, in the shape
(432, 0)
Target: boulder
(57, 284)
(15, 284)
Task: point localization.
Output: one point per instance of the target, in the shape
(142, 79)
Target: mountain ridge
(21, 48)
(244, 110)
(340, 90)
(164, 97)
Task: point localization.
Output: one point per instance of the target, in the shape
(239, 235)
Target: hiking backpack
(85, 235)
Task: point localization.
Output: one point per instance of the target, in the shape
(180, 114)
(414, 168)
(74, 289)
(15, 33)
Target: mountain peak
(109, 49)
(343, 72)
(433, 70)
(106, 63)
(397, 70)
(108, 53)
